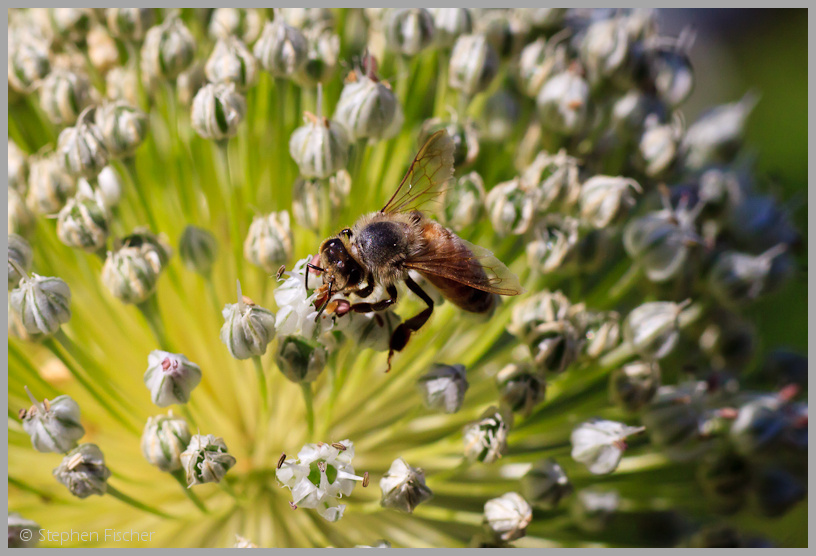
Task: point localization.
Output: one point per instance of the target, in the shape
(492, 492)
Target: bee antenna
(313, 267)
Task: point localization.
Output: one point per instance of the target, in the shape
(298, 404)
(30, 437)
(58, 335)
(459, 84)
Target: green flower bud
(248, 328)
(83, 471)
(403, 487)
(42, 304)
(129, 24)
(21, 532)
(553, 181)
(545, 484)
(738, 278)
(462, 202)
(606, 199)
(510, 207)
(300, 359)
(243, 23)
(170, 377)
(71, 24)
(168, 50)
(563, 103)
(500, 116)
(553, 243)
(322, 55)
(64, 95)
(218, 110)
(198, 249)
(28, 61)
(206, 460)
(409, 31)
(50, 186)
(539, 61)
(81, 149)
(232, 62)
(507, 516)
(653, 329)
(368, 108)
(520, 388)
(282, 49)
(443, 387)
(634, 385)
(717, 136)
(592, 510)
(123, 128)
(19, 259)
(20, 219)
(317, 202)
(53, 425)
(132, 270)
(320, 148)
(123, 84)
(605, 51)
(464, 136)
(269, 241)
(473, 65)
(189, 82)
(486, 439)
(165, 437)
(83, 223)
(450, 23)
(725, 479)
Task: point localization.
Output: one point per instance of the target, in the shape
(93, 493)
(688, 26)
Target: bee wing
(431, 168)
(475, 267)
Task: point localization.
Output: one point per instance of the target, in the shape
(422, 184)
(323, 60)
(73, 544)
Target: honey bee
(382, 247)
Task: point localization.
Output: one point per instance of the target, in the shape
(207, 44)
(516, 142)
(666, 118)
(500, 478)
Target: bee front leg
(378, 306)
(403, 332)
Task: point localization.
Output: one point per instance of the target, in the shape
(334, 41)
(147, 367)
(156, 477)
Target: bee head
(340, 267)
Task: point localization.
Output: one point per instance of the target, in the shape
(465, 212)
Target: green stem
(150, 310)
(135, 503)
(188, 415)
(233, 205)
(180, 477)
(259, 370)
(441, 84)
(129, 169)
(307, 399)
(208, 283)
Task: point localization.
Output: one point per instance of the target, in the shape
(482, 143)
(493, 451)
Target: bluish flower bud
(778, 491)
(248, 328)
(282, 49)
(232, 62)
(42, 304)
(403, 487)
(759, 222)
(218, 109)
(53, 425)
(717, 135)
(83, 471)
(545, 484)
(725, 478)
(443, 387)
(738, 278)
(164, 439)
(300, 359)
(634, 385)
(672, 75)
(206, 460)
(170, 377)
(473, 65)
(409, 31)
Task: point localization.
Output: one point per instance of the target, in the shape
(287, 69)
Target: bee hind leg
(378, 306)
(403, 332)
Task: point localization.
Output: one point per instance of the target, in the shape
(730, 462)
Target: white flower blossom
(296, 306)
(599, 444)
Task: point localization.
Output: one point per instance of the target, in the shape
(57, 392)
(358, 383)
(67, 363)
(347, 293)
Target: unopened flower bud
(20, 218)
(22, 533)
(131, 272)
(601, 331)
(409, 31)
(450, 23)
(759, 222)
(123, 84)
(510, 207)
(553, 243)
(28, 61)
(81, 149)
(42, 304)
(170, 377)
(553, 180)
(53, 425)
(316, 202)
(563, 103)
(508, 516)
(269, 241)
(248, 328)
(71, 24)
(464, 136)
(539, 61)
(521, 388)
(403, 487)
(206, 460)
(232, 62)
(443, 387)
(592, 509)
(19, 259)
(545, 19)
(673, 419)
(64, 95)
(129, 24)
(631, 111)
(368, 108)
(50, 186)
(634, 385)
(218, 109)
(658, 148)
(462, 202)
(545, 484)
(299, 359)
(739, 277)
(473, 64)
(164, 438)
(500, 116)
(599, 444)
(718, 134)
(605, 199)
(282, 49)
(244, 23)
(17, 168)
(303, 18)
(653, 329)
(123, 128)
(322, 56)
(189, 82)
(486, 439)
(778, 491)
(83, 223)
(198, 249)
(672, 75)
(83, 471)
(725, 479)
(605, 50)
(168, 50)
(102, 51)
(506, 29)
(320, 148)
